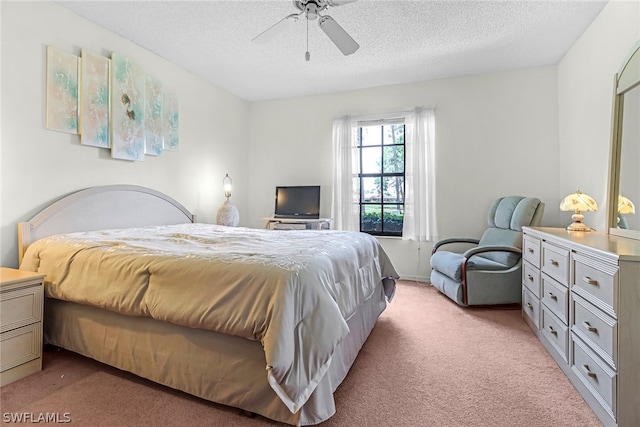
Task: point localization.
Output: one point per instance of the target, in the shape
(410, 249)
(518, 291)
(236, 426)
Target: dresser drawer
(556, 332)
(595, 375)
(531, 278)
(595, 328)
(556, 298)
(597, 282)
(20, 307)
(20, 346)
(555, 262)
(531, 307)
(531, 250)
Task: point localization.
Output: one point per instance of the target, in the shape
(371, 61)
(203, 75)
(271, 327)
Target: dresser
(21, 304)
(581, 296)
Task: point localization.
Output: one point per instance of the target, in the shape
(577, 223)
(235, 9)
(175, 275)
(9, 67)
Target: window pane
(394, 159)
(371, 189)
(394, 189)
(371, 135)
(371, 159)
(371, 218)
(393, 218)
(393, 134)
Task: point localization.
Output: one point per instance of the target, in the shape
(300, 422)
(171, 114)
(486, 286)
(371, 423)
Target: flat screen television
(298, 201)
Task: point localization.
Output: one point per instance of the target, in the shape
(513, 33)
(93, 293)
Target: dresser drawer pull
(588, 327)
(588, 280)
(553, 331)
(531, 250)
(589, 372)
(552, 296)
(554, 262)
(529, 306)
(530, 277)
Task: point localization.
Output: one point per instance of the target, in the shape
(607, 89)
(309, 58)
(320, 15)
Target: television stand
(273, 223)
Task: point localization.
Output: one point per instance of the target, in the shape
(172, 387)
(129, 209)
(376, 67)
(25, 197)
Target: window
(384, 175)
(381, 149)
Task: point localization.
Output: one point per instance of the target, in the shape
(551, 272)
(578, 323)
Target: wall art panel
(94, 100)
(127, 109)
(171, 126)
(62, 91)
(154, 136)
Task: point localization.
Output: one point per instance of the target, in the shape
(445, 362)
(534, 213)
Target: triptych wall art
(111, 103)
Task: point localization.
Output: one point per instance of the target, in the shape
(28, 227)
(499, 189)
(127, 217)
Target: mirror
(623, 207)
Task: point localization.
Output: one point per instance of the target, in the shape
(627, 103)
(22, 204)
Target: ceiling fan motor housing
(311, 8)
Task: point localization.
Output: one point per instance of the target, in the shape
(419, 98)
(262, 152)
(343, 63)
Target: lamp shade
(578, 202)
(625, 206)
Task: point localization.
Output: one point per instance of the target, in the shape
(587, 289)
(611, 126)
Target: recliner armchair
(490, 273)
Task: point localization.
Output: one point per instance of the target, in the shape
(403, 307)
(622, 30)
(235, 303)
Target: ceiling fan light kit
(311, 10)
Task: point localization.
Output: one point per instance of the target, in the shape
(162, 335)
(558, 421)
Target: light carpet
(428, 362)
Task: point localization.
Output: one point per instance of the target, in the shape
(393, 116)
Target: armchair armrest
(492, 248)
(453, 240)
(478, 250)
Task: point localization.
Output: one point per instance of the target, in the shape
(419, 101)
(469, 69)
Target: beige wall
(585, 97)
(527, 132)
(496, 135)
(39, 165)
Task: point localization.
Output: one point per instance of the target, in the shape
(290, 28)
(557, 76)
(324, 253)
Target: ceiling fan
(311, 10)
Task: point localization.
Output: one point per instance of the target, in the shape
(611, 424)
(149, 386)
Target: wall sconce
(578, 202)
(227, 213)
(625, 206)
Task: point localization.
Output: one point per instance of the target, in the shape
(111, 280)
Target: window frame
(381, 123)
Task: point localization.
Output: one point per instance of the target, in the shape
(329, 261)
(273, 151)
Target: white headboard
(101, 208)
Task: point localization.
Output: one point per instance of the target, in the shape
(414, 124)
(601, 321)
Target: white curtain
(420, 210)
(345, 208)
(420, 173)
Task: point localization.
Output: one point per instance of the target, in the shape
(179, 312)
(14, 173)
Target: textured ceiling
(400, 41)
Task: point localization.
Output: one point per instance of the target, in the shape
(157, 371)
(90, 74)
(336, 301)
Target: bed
(263, 320)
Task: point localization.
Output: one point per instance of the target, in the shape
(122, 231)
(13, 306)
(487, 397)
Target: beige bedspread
(290, 290)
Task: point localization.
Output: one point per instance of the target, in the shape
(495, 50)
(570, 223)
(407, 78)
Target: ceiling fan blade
(277, 28)
(338, 35)
(334, 3)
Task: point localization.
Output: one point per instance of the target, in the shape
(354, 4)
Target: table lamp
(578, 202)
(227, 213)
(625, 206)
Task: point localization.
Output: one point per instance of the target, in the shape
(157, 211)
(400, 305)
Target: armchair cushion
(450, 264)
(506, 217)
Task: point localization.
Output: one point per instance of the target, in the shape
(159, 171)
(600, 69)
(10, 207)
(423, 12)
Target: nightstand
(21, 303)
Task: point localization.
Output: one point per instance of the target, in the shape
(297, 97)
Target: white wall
(585, 81)
(496, 135)
(38, 165)
(527, 132)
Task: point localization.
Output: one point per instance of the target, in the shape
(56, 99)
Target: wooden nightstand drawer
(20, 346)
(556, 298)
(531, 250)
(555, 262)
(20, 307)
(531, 279)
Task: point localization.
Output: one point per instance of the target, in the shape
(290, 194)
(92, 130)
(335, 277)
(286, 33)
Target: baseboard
(412, 278)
